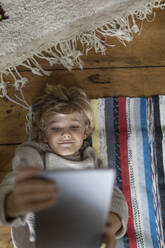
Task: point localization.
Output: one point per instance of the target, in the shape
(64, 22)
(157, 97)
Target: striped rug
(130, 135)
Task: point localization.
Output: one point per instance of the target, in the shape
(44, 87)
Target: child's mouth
(65, 143)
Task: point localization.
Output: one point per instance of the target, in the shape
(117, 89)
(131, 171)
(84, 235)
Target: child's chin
(66, 153)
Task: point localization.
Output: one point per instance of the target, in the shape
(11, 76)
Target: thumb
(111, 241)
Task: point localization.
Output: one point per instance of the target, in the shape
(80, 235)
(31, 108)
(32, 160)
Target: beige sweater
(32, 154)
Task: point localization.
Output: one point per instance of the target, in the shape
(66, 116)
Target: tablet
(77, 219)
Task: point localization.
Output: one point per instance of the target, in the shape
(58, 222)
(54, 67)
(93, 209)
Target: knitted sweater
(32, 154)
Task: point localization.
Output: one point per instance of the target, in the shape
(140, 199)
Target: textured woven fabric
(130, 135)
(34, 27)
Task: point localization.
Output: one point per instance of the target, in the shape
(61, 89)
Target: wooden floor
(137, 69)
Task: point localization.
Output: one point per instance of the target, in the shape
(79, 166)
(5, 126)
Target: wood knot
(9, 111)
(95, 79)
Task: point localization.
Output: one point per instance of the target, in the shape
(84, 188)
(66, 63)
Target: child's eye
(56, 129)
(75, 127)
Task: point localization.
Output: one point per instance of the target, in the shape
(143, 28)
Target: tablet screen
(77, 219)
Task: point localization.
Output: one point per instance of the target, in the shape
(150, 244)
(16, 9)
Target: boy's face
(65, 133)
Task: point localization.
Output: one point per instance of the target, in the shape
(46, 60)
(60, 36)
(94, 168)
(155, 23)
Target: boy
(61, 124)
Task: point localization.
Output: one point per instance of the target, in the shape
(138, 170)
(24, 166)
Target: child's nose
(66, 134)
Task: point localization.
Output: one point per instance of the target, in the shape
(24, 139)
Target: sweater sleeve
(119, 206)
(24, 157)
(27, 156)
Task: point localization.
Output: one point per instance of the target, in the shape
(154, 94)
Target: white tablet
(77, 219)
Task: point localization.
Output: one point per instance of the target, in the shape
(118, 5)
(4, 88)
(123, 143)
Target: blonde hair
(59, 99)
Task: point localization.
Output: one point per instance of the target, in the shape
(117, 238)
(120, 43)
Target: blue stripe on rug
(141, 172)
(148, 176)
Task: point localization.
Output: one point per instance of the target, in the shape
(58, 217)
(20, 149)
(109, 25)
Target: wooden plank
(6, 155)
(98, 83)
(5, 239)
(14, 118)
(131, 82)
(146, 49)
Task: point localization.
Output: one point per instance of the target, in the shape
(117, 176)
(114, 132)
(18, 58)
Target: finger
(25, 173)
(38, 198)
(23, 201)
(33, 207)
(111, 241)
(113, 222)
(35, 186)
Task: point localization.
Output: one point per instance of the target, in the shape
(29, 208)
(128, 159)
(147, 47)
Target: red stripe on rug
(123, 138)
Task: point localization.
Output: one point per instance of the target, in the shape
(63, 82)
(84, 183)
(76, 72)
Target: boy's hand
(113, 225)
(110, 241)
(30, 193)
